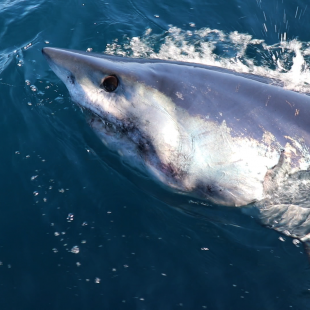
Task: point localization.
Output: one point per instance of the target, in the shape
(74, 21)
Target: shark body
(206, 132)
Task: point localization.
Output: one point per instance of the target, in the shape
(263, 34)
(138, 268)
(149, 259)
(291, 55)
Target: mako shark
(206, 132)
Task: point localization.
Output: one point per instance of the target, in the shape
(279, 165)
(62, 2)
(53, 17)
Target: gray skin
(203, 131)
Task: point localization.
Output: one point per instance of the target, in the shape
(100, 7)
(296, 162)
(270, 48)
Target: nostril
(71, 79)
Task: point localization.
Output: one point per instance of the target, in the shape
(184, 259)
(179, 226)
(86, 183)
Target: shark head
(129, 114)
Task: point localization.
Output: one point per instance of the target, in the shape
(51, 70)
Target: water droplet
(75, 249)
(33, 88)
(70, 217)
(27, 46)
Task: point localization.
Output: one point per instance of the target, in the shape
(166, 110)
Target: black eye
(109, 83)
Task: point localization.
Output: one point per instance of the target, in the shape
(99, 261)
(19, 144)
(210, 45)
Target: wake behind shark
(202, 131)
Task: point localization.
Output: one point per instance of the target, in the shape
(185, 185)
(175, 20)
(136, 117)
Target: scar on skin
(296, 112)
(179, 95)
(290, 104)
(268, 100)
(289, 147)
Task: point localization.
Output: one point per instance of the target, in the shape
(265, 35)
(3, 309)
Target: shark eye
(109, 83)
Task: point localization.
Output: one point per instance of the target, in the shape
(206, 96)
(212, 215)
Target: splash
(287, 210)
(286, 62)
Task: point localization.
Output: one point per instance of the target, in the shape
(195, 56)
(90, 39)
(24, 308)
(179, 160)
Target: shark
(213, 134)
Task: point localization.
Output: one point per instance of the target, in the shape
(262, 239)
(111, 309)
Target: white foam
(284, 61)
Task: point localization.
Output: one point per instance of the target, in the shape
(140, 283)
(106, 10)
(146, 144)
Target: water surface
(75, 234)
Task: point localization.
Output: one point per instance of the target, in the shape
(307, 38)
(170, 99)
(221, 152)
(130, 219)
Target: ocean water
(76, 234)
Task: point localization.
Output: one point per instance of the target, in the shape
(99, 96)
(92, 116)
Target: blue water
(75, 234)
